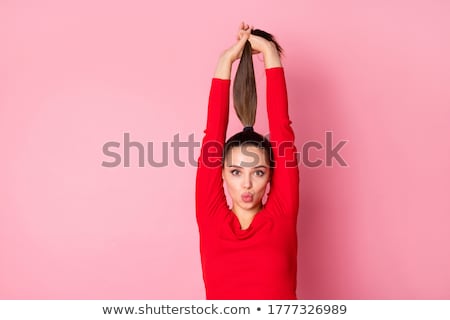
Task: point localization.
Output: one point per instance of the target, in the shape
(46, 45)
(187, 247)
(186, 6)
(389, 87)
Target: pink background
(77, 74)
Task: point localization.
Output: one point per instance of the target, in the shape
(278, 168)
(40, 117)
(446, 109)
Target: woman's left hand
(235, 51)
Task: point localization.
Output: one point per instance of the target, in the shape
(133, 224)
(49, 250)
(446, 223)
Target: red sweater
(261, 261)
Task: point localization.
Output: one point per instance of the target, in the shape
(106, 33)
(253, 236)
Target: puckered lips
(247, 197)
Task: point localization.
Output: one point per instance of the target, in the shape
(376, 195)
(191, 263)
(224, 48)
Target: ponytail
(244, 86)
(244, 98)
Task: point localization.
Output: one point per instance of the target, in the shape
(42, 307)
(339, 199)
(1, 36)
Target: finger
(244, 33)
(242, 41)
(238, 36)
(244, 36)
(241, 25)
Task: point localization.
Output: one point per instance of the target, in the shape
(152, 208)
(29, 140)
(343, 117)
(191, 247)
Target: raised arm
(284, 191)
(210, 195)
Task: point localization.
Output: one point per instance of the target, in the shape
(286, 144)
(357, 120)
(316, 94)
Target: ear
(268, 187)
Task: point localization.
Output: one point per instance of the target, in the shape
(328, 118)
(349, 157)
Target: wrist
(223, 68)
(270, 48)
(272, 60)
(226, 58)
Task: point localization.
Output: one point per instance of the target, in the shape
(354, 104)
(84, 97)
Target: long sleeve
(210, 196)
(284, 190)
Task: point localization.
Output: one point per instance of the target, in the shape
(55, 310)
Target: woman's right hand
(261, 45)
(268, 49)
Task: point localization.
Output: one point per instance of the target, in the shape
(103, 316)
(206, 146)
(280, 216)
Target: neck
(244, 216)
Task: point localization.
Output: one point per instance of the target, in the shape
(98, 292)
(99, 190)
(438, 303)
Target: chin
(249, 206)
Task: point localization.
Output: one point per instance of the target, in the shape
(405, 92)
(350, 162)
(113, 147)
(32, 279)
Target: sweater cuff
(224, 81)
(274, 70)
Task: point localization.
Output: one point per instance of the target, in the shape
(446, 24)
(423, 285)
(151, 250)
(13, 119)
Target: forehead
(246, 156)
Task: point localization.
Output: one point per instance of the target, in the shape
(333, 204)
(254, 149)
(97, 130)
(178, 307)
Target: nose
(247, 181)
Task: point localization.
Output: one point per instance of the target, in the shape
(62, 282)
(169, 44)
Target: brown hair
(244, 86)
(245, 101)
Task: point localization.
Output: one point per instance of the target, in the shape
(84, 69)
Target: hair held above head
(245, 101)
(244, 86)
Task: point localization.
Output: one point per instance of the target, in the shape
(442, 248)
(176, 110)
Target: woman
(250, 250)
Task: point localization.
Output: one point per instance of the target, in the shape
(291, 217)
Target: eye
(260, 173)
(235, 172)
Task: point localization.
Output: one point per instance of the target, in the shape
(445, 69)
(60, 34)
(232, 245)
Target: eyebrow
(257, 167)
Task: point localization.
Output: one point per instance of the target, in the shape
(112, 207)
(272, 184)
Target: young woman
(250, 250)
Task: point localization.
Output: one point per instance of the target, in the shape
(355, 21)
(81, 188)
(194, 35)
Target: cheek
(262, 187)
(232, 186)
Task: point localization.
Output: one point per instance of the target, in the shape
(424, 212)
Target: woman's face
(246, 173)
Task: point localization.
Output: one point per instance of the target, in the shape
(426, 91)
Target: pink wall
(75, 76)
